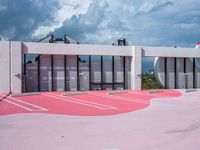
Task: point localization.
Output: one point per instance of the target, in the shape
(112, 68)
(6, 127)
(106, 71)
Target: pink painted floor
(96, 121)
(94, 103)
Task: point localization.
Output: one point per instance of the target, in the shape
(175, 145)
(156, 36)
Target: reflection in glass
(45, 73)
(71, 73)
(83, 72)
(95, 87)
(96, 69)
(31, 72)
(118, 69)
(58, 73)
(107, 87)
(107, 69)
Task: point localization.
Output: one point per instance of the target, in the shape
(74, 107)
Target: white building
(67, 65)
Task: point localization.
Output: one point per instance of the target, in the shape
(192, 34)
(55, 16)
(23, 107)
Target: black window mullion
(184, 63)
(38, 67)
(194, 73)
(65, 72)
(124, 72)
(165, 68)
(90, 73)
(24, 74)
(113, 74)
(78, 88)
(175, 73)
(184, 70)
(52, 76)
(102, 73)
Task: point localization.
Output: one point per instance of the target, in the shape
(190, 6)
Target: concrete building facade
(33, 66)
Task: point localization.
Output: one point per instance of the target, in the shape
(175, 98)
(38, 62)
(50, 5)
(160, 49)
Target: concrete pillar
(136, 68)
(16, 67)
(4, 66)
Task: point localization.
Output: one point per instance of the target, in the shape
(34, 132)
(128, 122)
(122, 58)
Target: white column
(136, 68)
(16, 67)
(4, 67)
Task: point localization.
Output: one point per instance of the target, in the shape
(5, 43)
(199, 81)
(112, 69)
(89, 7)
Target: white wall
(76, 49)
(4, 67)
(16, 67)
(136, 68)
(135, 53)
(170, 52)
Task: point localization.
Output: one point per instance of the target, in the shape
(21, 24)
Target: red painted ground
(95, 103)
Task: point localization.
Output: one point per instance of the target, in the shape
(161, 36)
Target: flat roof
(156, 119)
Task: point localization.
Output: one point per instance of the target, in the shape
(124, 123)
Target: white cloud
(68, 8)
(187, 26)
(142, 22)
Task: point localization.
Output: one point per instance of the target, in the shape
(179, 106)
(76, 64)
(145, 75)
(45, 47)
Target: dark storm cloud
(20, 18)
(79, 26)
(142, 22)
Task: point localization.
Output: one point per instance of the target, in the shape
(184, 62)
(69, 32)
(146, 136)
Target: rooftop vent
(121, 42)
(51, 39)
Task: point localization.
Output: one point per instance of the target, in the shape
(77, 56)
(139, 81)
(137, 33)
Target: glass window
(118, 69)
(96, 69)
(107, 69)
(31, 71)
(71, 73)
(45, 73)
(128, 72)
(118, 86)
(58, 73)
(83, 72)
(107, 87)
(95, 87)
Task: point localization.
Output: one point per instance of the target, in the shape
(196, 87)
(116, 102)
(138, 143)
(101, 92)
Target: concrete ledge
(190, 90)
(155, 91)
(74, 93)
(117, 92)
(24, 94)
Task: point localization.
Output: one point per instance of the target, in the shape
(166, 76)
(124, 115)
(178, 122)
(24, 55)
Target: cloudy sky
(142, 22)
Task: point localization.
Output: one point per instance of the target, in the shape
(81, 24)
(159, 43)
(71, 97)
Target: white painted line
(26, 108)
(120, 98)
(74, 101)
(30, 104)
(84, 101)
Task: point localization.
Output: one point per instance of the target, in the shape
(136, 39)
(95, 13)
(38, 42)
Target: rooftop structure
(55, 64)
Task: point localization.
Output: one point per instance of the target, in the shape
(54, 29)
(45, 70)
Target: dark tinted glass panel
(118, 86)
(45, 73)
(71, 73)
(58, 73)
(84, 72)
(31, 73)
(107, 69)
(118, 69)
(107, 87)
(96, 87)
(96, 69)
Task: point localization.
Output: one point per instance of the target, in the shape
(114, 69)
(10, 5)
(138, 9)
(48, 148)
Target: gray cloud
(142, 22)
(20, 18)
(79, 26)
(147, 8)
